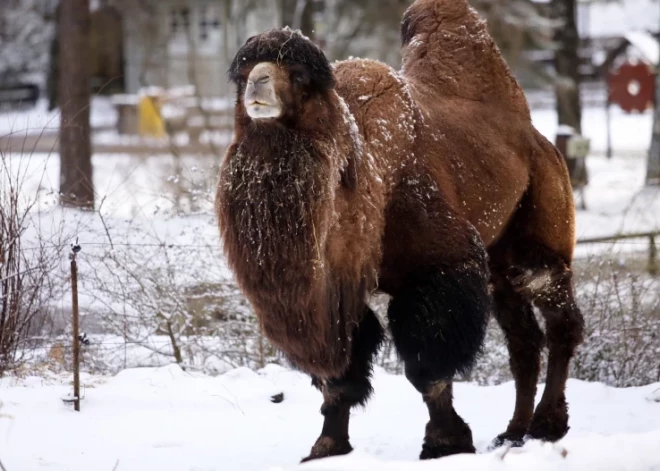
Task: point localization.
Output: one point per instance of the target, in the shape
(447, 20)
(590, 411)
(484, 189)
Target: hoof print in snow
(277, 398)
(654, 396)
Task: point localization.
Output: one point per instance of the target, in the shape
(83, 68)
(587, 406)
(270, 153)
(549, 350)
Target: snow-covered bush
(25, 37)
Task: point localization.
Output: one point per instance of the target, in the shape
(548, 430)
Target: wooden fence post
(75, 327)
(653, 256)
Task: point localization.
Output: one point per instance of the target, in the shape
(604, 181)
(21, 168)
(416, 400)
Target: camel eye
(300, 78)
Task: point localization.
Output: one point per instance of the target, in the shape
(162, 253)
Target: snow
(608, 19)
(617, 201)
(630, 133)
(565, 130)
(168, 419)
(646, 44)
(39, 120)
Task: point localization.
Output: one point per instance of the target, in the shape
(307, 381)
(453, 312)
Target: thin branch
(105, 226)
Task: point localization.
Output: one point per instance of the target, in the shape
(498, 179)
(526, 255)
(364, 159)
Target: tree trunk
(567, 65)
(54, 64)
(76, 187)
(567, 83)
(299, 14)
(653, 165)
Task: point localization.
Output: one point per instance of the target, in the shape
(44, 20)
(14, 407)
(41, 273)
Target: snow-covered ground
(39, 120)
(630, 133)
(617, 200)
(166, 419)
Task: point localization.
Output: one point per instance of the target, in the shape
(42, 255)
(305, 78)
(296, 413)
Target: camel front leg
(352, 389)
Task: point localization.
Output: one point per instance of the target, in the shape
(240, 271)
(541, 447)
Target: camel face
(261, 98)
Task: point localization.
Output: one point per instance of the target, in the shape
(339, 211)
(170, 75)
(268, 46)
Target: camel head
(278, 75)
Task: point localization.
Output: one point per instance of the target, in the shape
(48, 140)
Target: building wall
(189, 42)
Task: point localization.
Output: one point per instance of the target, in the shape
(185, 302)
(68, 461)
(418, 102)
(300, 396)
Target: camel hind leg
(524, 340)
(546, 279)
(540, 250)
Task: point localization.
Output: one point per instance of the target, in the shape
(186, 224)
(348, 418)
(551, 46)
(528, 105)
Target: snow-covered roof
(606, 19)
(646, 44)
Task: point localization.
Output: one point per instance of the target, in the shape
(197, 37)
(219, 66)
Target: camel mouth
(260, 110)
(258, 103)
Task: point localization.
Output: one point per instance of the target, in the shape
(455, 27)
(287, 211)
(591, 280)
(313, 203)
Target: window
(208, 21)
(179, 20)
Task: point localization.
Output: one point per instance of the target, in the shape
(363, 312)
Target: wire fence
(135, 338)
(149, 300)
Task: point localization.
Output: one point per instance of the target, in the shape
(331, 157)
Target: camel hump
(447, 47)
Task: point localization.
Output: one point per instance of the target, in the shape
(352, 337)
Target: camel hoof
(431, 452)
(547, 431)
(549, 425)
(510, 439)
(326, 447)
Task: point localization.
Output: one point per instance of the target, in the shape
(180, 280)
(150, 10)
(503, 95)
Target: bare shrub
(622, 314)
(177, 301)
(621, 307)
(26, 265)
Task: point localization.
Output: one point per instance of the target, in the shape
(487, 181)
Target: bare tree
(76, 186)
(567, 64)
(653, 166)
(299, 14)
(519, 26)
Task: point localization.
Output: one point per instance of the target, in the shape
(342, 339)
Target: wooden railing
(652, 265)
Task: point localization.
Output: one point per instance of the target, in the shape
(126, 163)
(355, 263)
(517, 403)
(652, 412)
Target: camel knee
(345, 392)
(354, 387)
(564, 320)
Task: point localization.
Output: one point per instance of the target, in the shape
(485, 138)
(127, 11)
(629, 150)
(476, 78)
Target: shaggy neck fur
(276, 182)
(276, 206)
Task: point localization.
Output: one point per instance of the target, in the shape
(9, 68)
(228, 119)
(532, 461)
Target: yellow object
(150, 121)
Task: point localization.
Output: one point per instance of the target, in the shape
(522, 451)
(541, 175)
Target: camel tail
(446, 45)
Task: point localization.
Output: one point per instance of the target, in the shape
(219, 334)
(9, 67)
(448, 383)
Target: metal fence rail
(651, 236)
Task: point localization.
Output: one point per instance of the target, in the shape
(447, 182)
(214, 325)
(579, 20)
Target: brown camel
(349, 179)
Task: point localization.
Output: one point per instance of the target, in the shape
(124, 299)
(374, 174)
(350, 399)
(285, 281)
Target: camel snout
(260, 95)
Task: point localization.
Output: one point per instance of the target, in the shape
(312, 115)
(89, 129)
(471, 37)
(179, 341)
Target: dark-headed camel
(347, 179)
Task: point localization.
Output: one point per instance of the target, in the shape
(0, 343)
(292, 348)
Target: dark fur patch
(409, 25)
(438, 321)
(349, 175)
(288, 47)
(354, 388)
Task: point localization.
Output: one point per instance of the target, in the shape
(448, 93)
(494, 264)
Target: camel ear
(349, 174)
